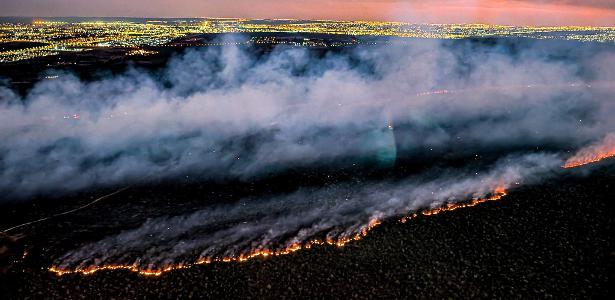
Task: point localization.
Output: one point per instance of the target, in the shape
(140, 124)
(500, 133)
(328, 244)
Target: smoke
(232, 113)
(336, 212)
(593, 153)
(229, 113)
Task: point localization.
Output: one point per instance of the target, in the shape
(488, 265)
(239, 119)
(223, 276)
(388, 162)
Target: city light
(44, 38)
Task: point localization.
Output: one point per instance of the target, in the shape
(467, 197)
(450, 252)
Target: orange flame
(593, 154)
(498, 194)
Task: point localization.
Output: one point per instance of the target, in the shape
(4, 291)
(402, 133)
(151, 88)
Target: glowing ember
(498, 194)
(593, 154)
(585, 156)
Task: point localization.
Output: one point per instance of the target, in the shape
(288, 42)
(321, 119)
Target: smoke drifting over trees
(335, 213)
(225, 113)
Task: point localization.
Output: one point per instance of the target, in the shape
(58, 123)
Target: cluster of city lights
(51, 37)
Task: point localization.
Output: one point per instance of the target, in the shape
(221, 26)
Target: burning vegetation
(593, 153)
(341, 241)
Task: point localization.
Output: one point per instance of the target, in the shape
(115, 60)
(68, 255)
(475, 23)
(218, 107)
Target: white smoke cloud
(226, 113)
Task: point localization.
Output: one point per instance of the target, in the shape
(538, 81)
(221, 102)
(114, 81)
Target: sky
(520, 12)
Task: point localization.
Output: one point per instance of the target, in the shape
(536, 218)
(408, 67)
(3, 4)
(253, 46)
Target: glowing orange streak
(586, 156)
(593, 154)
(340, 242)
(576, 162)
(497, 195)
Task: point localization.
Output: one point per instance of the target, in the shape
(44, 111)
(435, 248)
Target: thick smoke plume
(226, 113)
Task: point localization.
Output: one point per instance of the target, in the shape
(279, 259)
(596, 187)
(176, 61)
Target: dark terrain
(553, 240)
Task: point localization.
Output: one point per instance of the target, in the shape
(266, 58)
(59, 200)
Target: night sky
(524, 12)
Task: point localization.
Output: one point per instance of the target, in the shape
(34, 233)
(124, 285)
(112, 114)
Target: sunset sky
(523, 12)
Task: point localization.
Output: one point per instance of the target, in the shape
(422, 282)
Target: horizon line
(313, 20)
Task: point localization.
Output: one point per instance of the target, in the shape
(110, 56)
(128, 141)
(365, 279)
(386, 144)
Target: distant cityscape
(23, 39)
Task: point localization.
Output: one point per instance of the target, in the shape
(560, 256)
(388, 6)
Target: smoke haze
(227, 113)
